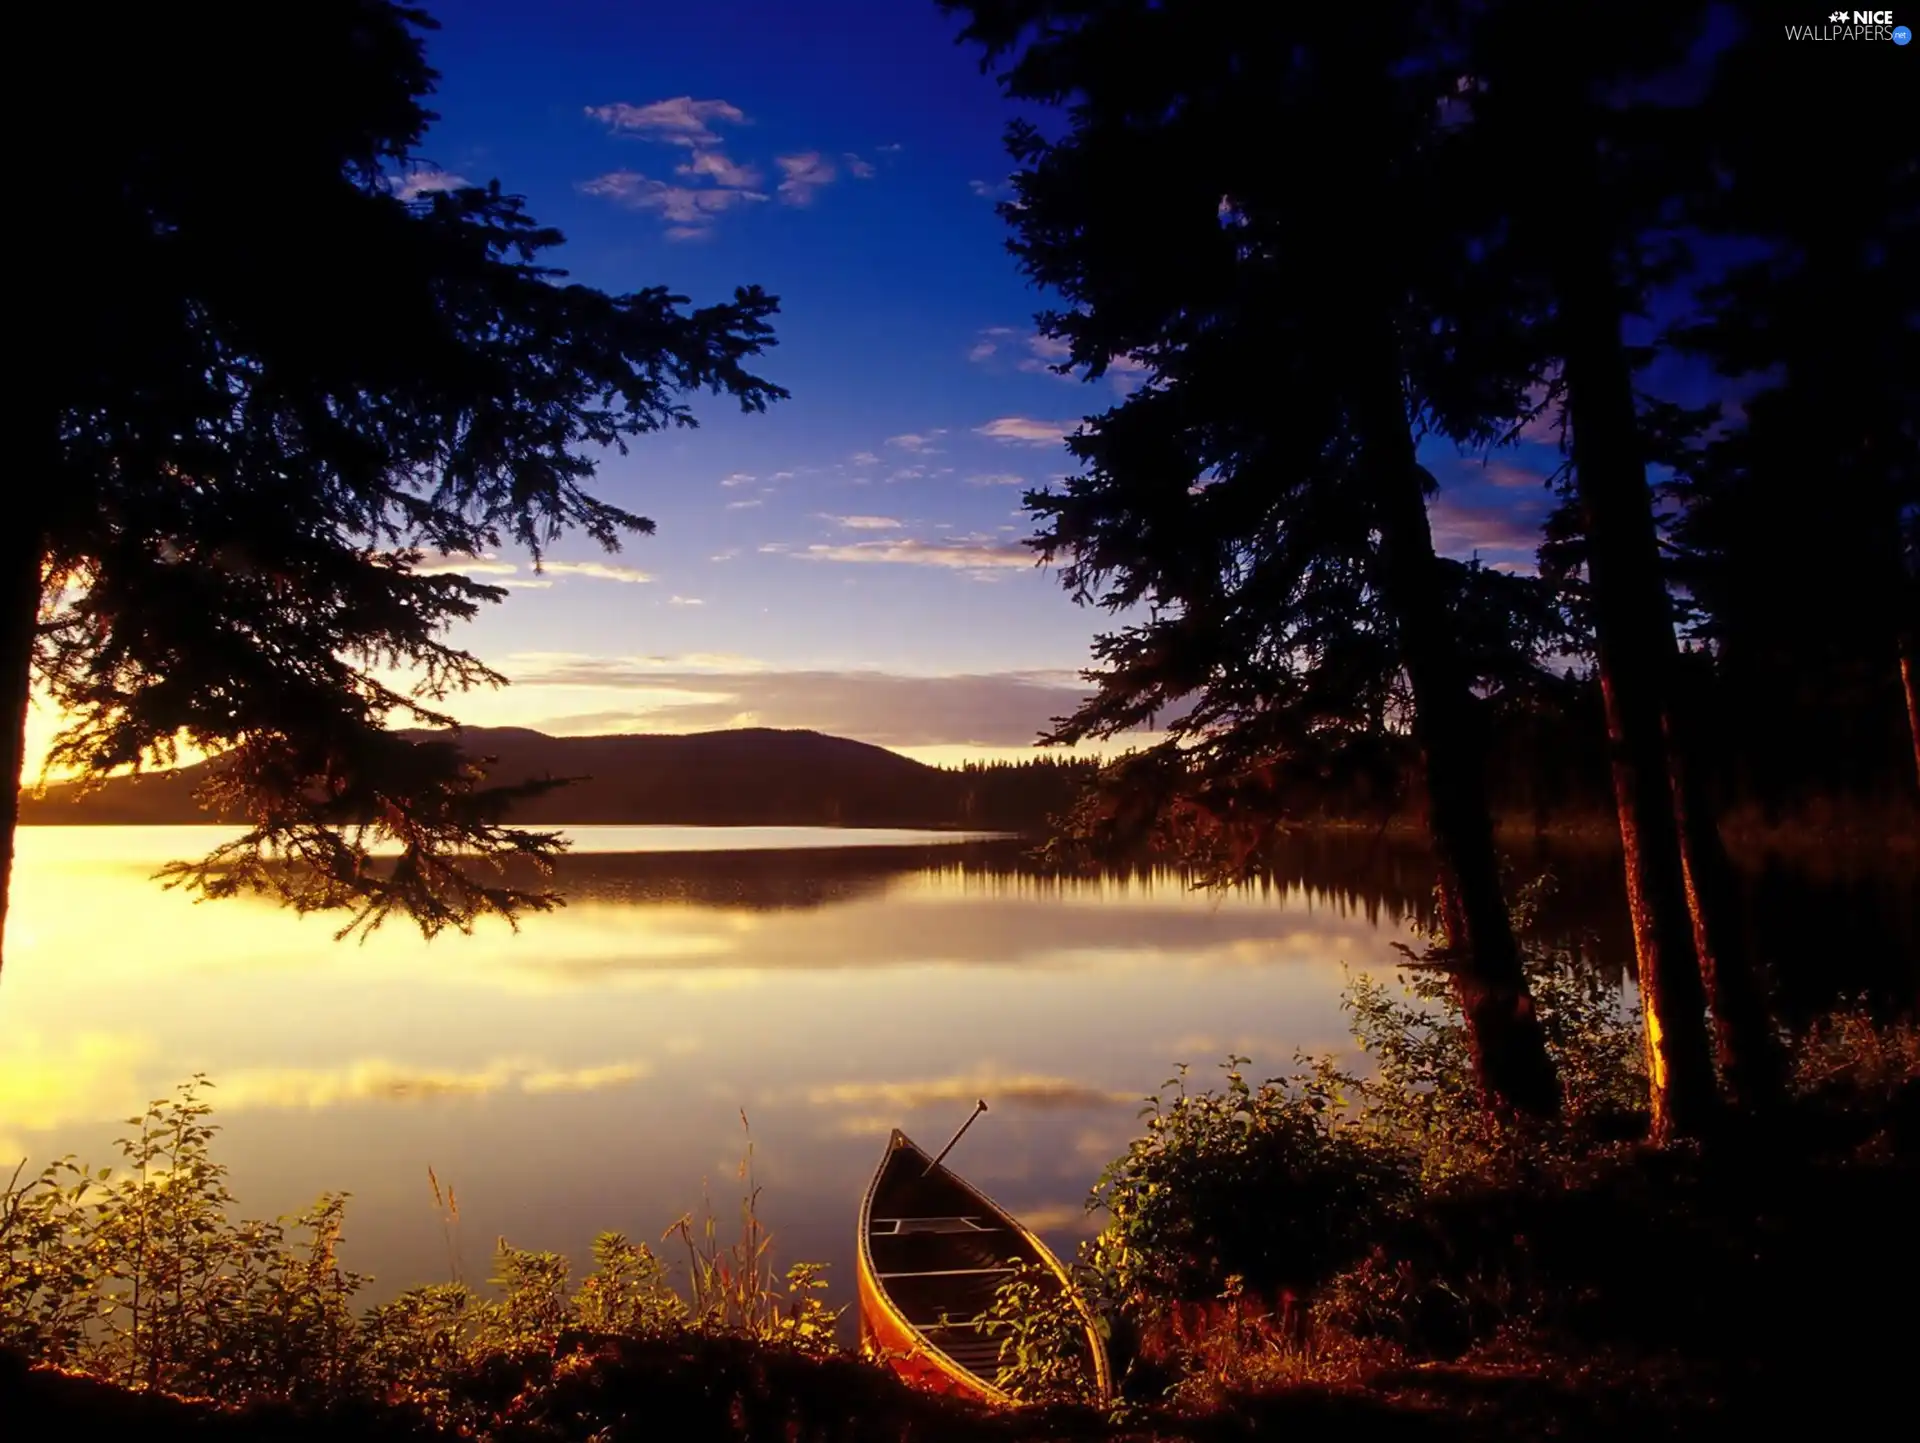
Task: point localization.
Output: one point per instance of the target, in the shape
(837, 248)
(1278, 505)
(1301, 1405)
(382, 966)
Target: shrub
(1276, 1184)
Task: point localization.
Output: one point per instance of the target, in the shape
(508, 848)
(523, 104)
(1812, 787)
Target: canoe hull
(932, 1251)
(887, 1338)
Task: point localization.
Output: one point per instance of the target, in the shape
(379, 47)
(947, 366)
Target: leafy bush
(1042, 1328)
(1276, 1184)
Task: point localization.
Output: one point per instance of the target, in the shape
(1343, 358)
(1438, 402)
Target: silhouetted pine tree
(264, 386)
(1250, 206)
(1800, 522)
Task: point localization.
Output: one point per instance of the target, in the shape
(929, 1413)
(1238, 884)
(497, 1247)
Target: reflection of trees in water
(1825, 932)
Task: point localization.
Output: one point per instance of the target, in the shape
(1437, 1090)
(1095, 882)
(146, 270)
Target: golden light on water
(575, 1075)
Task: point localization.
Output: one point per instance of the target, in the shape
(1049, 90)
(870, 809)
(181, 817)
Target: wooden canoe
(933, 1247)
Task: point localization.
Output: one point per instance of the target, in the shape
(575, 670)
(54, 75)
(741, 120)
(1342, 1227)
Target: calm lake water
(590, 1071)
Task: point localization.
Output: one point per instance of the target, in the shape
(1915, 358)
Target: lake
(590, 1071)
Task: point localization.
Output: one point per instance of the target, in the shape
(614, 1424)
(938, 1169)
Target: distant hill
(755, 776)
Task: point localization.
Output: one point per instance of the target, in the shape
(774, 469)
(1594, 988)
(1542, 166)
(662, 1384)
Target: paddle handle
(978, 1108)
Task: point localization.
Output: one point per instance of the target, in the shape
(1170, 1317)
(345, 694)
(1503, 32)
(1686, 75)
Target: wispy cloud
(1026, 431)
(1044, 353)
(691, 211)
(857, 168)
(738, 478)
(864, 458)
(679, 121)
(1463, 527)
(1511, 477)
(864, 523)
(599, 570)
(920, 442)
(417, 183)
(805, 174)
(464, 566)
(746, 505)
(988, 342)
(958, 554)
(991, 189)
(715, 165)
(997, 478)
(685, 601)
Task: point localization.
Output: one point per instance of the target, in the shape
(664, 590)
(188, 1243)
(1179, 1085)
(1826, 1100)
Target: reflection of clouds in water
(1027, 1090)
(46, 1084)
(378, 1080)
(1071, 1219)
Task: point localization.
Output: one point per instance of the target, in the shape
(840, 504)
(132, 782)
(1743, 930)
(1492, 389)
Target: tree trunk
(19, 621)
(1637, 650)
(1910, 679)
(1509, 1050)
(1752, 1059)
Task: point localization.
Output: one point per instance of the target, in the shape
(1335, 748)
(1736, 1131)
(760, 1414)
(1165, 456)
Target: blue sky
(850, 560)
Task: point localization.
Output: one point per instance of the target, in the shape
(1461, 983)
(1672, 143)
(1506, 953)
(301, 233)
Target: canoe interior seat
(931, 1225)
(943, 1252)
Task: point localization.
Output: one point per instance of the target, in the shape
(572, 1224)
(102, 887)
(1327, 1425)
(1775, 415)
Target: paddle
(978, 1108)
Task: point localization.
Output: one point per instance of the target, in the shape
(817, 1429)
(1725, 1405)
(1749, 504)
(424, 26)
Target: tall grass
(139, 1275)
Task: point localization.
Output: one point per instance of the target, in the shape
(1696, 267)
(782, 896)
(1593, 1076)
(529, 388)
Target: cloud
(805, 173)
(1025, 431)
(997, 478)
(1463, 527)
(920, 443)
(464, 566)
(377, 1080)
(886, 708)
(680, 121)
(738, 478)
(865, 523)
(956, 555)
(746, 505)
(990, 189)
(907, 473)
(857, 168)
(989, 341)
(864, 458)
(1046, 353)
(892, 147)
(1024, 1090)
(692, 211)
(425, 182)
(1509, 476)
(715, 166)
(685, 601)
(599, 570)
